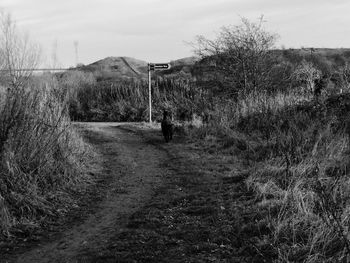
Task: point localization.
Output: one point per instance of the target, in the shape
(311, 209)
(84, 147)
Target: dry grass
(42, 158)
(298, 153)
(127, 100)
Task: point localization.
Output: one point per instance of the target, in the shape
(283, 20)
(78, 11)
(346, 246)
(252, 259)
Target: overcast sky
(157, 30)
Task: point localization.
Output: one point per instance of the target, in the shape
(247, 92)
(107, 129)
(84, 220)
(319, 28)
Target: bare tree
(344, 73)
(18, 58)
(54, 60)
(239, 59)
(18, 55)
(307, 74)
(76, 46)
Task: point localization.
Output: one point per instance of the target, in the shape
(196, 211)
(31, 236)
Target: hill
(117, 68)
(325, 59)
(180, 67)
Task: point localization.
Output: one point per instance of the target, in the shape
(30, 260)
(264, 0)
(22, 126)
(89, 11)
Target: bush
(297, 150)
(127, 100)
(42, 157)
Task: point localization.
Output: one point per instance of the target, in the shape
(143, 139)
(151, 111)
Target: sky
(159, 31)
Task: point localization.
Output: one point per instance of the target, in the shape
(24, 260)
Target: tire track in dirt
(137, 171)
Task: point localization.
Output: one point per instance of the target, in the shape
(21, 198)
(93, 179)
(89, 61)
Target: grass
(43, 160)
(296, 151)
(292, 148)
(127, 100)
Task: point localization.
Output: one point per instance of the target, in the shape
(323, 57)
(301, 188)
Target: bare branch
(17, 53)
(240, 56)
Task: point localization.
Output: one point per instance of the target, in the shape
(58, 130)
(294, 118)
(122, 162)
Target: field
(257, 170)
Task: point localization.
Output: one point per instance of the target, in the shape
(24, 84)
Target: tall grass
(249, 112)
(309, 200)
(298, 151)
(127, 100)
(42, 158)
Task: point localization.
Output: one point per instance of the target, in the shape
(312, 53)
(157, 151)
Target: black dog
(167, 127)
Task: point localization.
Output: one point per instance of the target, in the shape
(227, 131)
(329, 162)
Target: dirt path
(184, 201)
(130, 67)
(136, 171)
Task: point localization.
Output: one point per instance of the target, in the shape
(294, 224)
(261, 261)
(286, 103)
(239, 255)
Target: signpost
(153, 67)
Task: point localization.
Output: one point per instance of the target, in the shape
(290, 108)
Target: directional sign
(152, 67)
(162, 66)
(158, 66)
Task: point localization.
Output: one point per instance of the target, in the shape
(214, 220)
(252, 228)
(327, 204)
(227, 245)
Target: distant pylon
(54, 55)
(76, 44)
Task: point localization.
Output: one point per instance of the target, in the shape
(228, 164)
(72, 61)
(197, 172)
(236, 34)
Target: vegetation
(283, 113)
(239, 59)
(127, 100)
(297, 147)
(42, 159)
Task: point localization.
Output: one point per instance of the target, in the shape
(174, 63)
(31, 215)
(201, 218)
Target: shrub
(127, 100)
(42, 157)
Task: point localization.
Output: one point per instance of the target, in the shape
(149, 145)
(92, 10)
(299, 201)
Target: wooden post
(151, 67)
(150, 93)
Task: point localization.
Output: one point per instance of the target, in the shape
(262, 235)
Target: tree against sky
(240, 56)
(18, 55)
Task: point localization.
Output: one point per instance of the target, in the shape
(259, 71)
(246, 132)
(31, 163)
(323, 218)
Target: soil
(183, 201)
